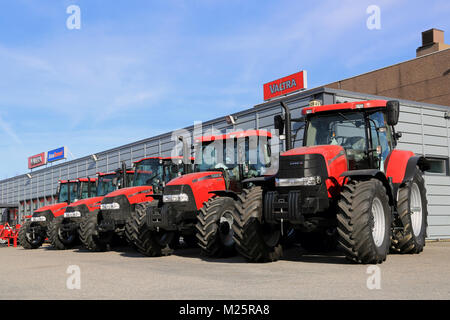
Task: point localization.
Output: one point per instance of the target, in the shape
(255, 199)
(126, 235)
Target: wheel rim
(379, 223)
(416, 209)
(225, 229)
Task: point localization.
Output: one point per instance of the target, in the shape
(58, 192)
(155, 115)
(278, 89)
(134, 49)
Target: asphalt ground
(45, 273)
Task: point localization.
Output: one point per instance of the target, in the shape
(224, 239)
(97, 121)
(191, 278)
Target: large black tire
(129, 234)
(25, 240)
(317, 241)
(215, 227)
(147, 242)
(89, 234)
(55, 236)
(409, 239)
(256, 241)
(357, 208)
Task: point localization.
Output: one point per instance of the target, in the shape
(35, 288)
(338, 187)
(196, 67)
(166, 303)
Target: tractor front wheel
(89, 234)
(413, 213)
(215, 227)
(364, 221)
(149, 243)
(61, 240)
(29, 239)
(255, 240)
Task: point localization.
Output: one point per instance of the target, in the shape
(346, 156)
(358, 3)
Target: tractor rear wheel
(215, 227)
(364, 221)
(61, 240)
(256, 241)
(149, 243)
(413, 213)
(27, 239)
(89, 234)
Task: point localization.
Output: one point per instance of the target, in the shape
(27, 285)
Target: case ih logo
(37, 160)
(289, 84)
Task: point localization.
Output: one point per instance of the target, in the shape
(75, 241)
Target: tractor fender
(225, 193)
(372, 173)
(413, 162)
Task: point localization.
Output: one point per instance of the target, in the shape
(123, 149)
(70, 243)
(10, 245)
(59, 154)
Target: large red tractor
(347, 185)
(98, 231)
(201, 203)
(63, 230)
(34, 231)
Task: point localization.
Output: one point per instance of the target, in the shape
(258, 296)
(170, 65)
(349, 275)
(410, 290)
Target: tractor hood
(195, 177)
(328, 151)
(326, 161)
(198, 186)
(130, 191)
(53, 207)
(89, 202)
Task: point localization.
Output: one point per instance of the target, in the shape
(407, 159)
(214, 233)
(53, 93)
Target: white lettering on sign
(274, 88)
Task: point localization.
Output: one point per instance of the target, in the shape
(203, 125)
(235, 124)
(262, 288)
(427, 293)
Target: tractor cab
(365, 130)
(238, 155)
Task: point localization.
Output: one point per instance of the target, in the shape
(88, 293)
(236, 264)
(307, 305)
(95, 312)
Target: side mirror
(398, 135)
(392, 112)
(278, 122)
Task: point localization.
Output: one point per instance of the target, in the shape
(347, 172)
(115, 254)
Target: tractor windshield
(252, 153)
(148, 172)
(64, 192)
(105, 185)
(346, 129)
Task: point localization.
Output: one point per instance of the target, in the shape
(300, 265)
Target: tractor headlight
(182, 197)
(306, 181)
(110, 206)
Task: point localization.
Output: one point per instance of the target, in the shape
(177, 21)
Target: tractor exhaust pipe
(124, 175)
(287, 124)
(186, 154)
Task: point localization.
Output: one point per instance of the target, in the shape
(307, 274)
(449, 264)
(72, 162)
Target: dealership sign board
(285, 85)
(37, 160)
(56, 154)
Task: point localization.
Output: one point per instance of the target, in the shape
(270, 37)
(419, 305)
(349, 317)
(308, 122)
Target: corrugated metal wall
(425, 131)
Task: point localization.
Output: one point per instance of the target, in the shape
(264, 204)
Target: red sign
(37, 160)
(289, 84)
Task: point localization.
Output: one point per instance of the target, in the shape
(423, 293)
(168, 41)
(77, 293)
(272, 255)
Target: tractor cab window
(148, 172)
(85, 190)
(172, 170)
(105, 185)
(215, 157)
(381, 145)
(346, 129)
(64, 190)
(226, 155)
(258, 161)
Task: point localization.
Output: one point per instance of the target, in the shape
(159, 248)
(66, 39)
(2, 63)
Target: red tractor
(201, 204)
(347, 185)
(63, 230)
(98, 231)
(34, 230)
(9, 228)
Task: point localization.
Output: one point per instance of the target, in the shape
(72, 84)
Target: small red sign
(285, 85)
(37, 160)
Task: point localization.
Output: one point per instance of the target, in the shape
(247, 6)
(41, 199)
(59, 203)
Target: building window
(438, 166)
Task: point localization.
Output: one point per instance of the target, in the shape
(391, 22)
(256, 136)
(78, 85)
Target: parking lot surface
(124, 274)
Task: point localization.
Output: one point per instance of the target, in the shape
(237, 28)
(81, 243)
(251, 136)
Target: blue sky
(140, 68)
